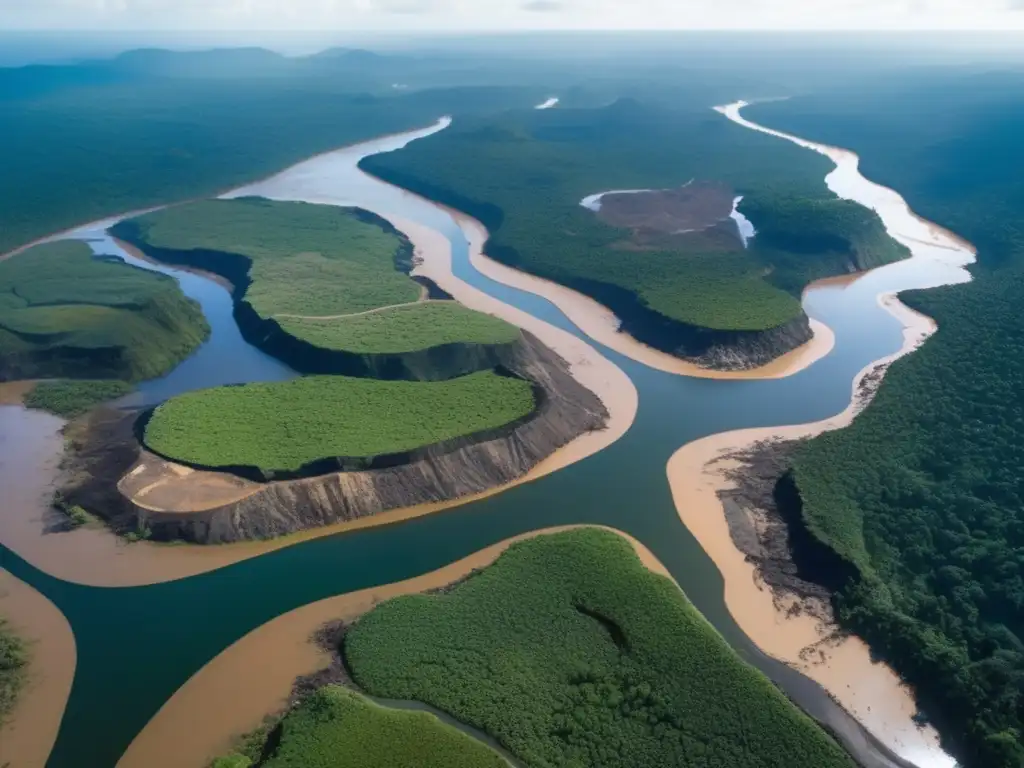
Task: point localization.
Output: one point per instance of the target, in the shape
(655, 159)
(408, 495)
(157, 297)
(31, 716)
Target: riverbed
(134, 647)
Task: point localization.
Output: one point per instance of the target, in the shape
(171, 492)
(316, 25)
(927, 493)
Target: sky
(509, 15)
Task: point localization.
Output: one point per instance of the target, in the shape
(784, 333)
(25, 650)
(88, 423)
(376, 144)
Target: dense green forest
(67, 313)
(337, 728)
(84, 142)
(524, 175)
(571, 653)
(283, 426)
(924, 493)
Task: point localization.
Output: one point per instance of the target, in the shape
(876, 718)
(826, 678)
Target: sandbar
(253, 678)
(31, 729)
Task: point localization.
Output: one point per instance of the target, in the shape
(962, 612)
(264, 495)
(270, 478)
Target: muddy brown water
(137, 645)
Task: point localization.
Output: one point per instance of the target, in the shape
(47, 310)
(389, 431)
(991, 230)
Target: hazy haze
(468, 15)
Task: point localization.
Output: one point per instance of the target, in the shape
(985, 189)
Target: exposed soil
(13, 392)
(696, 206)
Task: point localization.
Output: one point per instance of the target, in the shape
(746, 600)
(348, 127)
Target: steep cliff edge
(439, 362)
(171, 502)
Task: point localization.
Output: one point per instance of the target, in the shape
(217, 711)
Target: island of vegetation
(912, 515)
(263, 460)
(313, 424)
(568, 651)
(323, 288)
(668, 261)
(94, 322)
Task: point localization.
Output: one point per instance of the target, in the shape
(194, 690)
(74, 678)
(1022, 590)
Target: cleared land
(524, 175)
(402, 329)
(311, 266)
(66, 313)
(569, 652)
(283, 426)
(337, 728)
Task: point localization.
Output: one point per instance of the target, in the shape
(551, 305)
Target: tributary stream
(136, 645)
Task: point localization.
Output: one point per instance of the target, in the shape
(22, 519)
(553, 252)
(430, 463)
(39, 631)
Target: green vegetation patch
(68, 398)
(524, 176)
(406, 328)
(285, 425)
(311, 260)
(66, 313)
(336, 728)
(13, 660)
(571, 653)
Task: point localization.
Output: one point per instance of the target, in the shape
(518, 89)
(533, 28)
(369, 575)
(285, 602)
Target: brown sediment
(94, 556)
(696, 206)
(224, 699)
(27, 736)
(790, 627)
(13, 392)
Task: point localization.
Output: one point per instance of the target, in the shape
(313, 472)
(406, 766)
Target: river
(137, 645)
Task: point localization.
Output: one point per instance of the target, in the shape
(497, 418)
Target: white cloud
(456, 15)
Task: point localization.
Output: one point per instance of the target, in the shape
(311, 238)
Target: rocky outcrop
(433, 474)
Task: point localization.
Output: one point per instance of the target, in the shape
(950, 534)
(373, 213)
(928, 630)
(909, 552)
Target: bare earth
(30, 731)
(225, 699)
(696, 206)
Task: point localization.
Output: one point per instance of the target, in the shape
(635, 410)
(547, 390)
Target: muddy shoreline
(224, 700)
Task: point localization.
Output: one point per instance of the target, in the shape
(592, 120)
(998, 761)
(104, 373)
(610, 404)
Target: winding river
(136, 645)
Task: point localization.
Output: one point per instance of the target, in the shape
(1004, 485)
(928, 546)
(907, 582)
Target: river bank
(225, 699)
(795, 628)
(790, 627)
(31, 729)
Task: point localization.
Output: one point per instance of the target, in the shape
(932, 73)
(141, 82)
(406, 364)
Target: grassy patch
(13, 659)
(284, 425)
(336, 728)
(307, 259)
(571, 653)
(403, 329)
(70, 398)
(66, 313)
